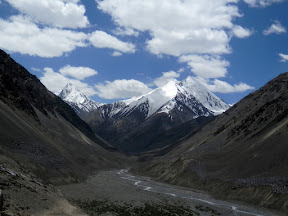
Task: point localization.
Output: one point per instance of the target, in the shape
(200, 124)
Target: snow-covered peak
(72, 95)
(164, 99)
(170, 89)
(153, 101)
(204, 96)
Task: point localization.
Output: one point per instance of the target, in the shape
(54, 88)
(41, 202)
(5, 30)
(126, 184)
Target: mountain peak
(80, 102)
(71, 93)
(170, 89)
(71, 86)
(204, 95)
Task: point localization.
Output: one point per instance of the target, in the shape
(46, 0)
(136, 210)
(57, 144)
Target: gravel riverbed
(117, 192)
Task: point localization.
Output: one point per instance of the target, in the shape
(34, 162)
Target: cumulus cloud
(177, 27)
(165, 78)
(240, 32)
(220, 86)
(126, 32)
(120, 89)
(261, 3)
(284, 57)
(79, 73)
(206, 66)
(59, 13)
(100, 39)
(275, 28)
(197, 32)
(20, 34)
(177, 43)
(55, 82)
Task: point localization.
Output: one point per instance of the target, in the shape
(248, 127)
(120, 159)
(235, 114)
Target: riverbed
(118, 190)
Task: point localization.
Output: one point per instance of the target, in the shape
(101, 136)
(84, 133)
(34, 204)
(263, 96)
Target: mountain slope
(241, 155)
(43, 133)
(136, 123)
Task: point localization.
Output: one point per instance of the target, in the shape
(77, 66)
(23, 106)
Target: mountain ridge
(161, 109)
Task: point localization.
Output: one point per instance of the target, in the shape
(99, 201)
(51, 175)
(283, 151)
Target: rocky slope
(242, 154)
(134, 125)
(43, 133)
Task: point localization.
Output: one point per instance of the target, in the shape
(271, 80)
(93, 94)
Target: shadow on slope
(242, 154)
(43, 133)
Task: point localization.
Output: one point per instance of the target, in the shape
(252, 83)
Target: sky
(117, 49)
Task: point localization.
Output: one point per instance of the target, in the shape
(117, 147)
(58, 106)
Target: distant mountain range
(126, 124)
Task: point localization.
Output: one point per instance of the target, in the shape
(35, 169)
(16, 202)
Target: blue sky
(117, 49)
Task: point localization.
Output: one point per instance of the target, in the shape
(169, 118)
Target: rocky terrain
(42, 140)
(240, 155)
(25, 194)
(117, 192)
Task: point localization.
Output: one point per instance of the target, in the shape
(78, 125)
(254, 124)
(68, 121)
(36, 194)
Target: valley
(119, 190)
(188, 152)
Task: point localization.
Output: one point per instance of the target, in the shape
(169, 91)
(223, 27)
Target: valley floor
(117, 192)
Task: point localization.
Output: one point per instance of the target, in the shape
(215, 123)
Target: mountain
(189, 93)
(240, 155)
(42, 133)
(78, 101)
(133, 125)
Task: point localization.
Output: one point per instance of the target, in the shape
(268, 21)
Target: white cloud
(206, 66)
(126, 32)
(19, 34)
(117, 53)
(220, 86)
(284, 57)
(36, 69)
(55, 82)
(100, 39)
(240, 32)
(261, 3)
(275, 28)
(59, 13)
(166, 77)
(177, 27)
(79, 73)
(198, 32)
(120, 89)
(201, 41)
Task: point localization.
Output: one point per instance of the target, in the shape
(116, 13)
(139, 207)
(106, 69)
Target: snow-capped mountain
(136, 124)
(79, 102)
(189, 93)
